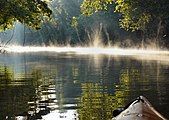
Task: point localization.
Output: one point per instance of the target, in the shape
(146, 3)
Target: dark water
(54, 86)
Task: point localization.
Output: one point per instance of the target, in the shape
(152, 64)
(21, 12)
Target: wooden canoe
(139, 109)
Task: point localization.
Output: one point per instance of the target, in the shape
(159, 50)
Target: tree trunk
(143, 39)
(24, 35)
(78, 36)
(158, 34)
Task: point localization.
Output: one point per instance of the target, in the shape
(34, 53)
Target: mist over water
(63, 82)
(96, 47)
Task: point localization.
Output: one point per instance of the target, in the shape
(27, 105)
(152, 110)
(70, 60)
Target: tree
(28, 12)
(148, 17)
(135, 14)
(88, 7)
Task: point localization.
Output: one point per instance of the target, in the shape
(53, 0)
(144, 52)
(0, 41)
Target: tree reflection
(13, 96)
(44, 98)
(6, 75)
(97, 104)
(27, 96)
(129, 79)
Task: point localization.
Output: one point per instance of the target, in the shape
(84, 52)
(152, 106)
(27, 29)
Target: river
(67, 86)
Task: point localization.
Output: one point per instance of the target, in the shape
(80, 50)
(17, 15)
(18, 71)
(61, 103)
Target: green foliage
(69, 26)
(135, 14)
(88, 7)
(28, 12)
(132, 17)
(138, 14)
(74, 22)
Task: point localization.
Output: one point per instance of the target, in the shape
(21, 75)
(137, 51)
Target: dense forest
(79, 22)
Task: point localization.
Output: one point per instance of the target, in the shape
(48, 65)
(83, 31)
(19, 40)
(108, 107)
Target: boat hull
(140, 109)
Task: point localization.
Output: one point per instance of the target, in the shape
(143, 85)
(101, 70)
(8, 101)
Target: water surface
(62, 86)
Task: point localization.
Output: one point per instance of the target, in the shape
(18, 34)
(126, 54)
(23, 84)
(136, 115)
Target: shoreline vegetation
(80, 22)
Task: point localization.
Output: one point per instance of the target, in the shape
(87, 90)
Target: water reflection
(69, 87)
(96, 103)
(14, 94)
